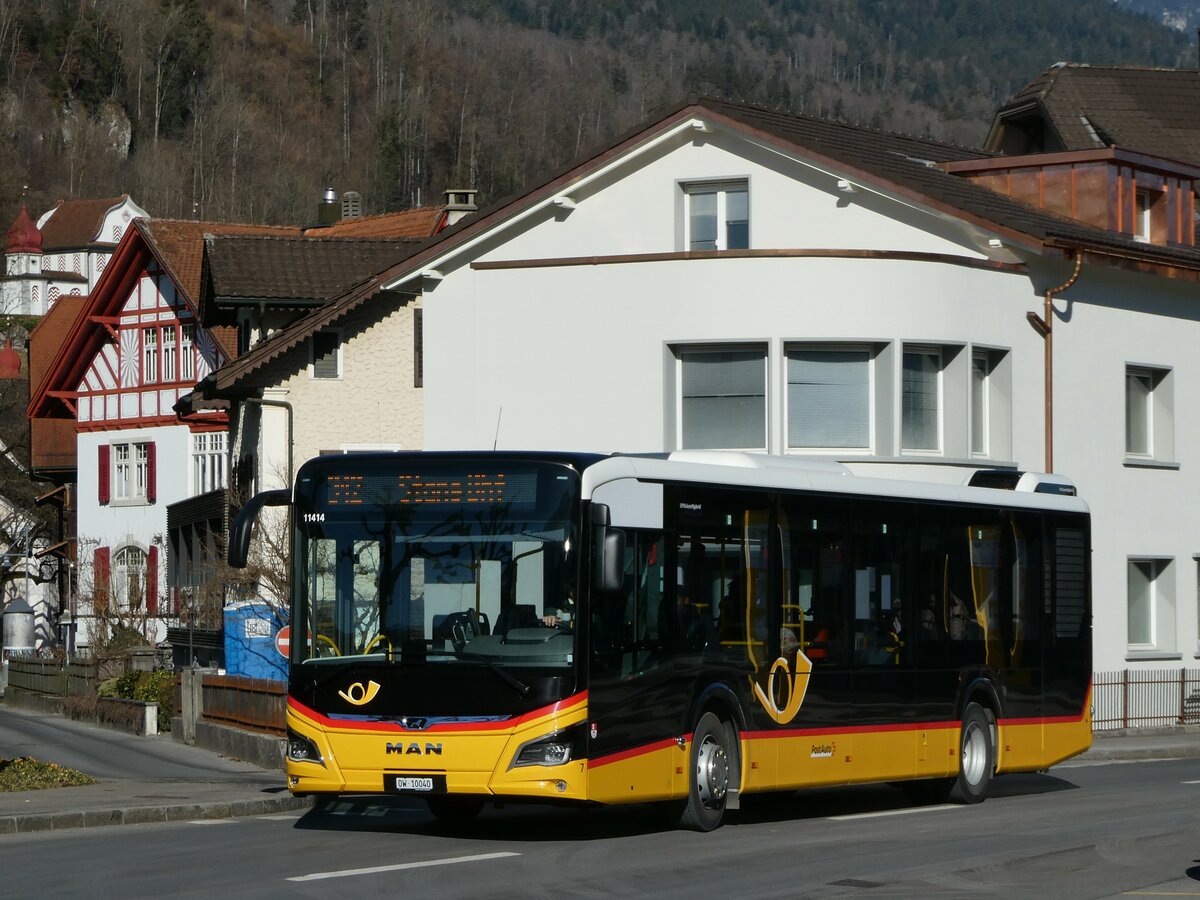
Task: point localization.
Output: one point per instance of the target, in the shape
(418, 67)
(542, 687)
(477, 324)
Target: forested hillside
(244, 109)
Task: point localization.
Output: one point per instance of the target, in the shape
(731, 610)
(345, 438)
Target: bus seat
(519, 615)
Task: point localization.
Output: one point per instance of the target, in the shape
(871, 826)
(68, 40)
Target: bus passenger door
(633, 716)
(883, 615)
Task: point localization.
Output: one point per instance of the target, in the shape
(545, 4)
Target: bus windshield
(436, 562)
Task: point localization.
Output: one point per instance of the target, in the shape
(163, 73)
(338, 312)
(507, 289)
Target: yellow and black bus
(683, 628)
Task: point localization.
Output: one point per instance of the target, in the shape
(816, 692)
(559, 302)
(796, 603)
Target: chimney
(329, 211)
(351, 205)
(460, 202)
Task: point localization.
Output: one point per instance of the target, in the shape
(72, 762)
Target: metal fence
(1145, 698)
(257, 704)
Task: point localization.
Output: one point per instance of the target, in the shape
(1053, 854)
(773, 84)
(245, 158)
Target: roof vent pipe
(329, 210)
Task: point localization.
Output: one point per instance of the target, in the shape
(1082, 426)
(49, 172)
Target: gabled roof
(296, 271)
(1155, 111)
(76, 223)
(422, 222)
(176, 246)
(908, 168)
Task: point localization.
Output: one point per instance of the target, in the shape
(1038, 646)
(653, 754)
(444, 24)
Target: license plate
(414, 784)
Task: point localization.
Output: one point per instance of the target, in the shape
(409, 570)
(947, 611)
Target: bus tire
(713, 767)
(454, 809)
(977, 757)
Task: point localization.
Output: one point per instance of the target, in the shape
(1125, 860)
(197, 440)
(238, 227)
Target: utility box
(250, 646)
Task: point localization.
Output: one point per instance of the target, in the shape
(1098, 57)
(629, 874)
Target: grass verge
(28, 774)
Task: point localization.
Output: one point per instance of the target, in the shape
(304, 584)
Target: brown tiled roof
(52, 441)
(301, 269)
(52, 275)
(179, 245)
(409, 223)
(77, 223)
(1154, 111)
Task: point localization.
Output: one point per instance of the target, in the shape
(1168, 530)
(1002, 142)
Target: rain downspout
(1044, 325)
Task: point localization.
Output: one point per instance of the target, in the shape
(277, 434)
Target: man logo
(409, 749)
(358, 695)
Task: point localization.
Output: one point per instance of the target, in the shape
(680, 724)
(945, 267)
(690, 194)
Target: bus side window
(638, 640)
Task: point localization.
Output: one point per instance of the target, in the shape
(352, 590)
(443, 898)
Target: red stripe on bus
(849, 729)
(357, 725)
(630, 754)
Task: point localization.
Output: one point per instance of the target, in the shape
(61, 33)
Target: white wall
(579, 357)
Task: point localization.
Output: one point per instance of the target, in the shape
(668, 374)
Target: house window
(920, 400)
(1149, 414)
(1151, 611)
(1141, 226)
(722, 397)
(828, 398)
(149, 355)
(129, 578)
(717, 216)
(981, 374)
(326, 355)
(131, 473)
(168, 354)
(208, 461)
(187, 359)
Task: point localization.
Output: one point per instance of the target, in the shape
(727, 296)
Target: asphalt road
(1104, 830)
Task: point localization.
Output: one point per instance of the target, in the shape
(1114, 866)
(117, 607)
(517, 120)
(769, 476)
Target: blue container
(250, 651)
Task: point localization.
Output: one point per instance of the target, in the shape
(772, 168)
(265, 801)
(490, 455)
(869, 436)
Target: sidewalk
(139, 779)
(155, 779)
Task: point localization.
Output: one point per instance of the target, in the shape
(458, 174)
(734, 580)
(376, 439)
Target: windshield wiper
(521, 687)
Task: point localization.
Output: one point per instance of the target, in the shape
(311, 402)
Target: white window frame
(130, 473)
(149, 355)
(869, 350)
(312, 355)
(940, 354)
(1156, 414)
(721, 189)
(169, 348)
(1143, 201)
(209, 461)
(1157, 574)
(980, 392)
(683, 350)
(187, 352)
(126, 572)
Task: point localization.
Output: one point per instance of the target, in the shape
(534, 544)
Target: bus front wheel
(977, 757)
(713, 766)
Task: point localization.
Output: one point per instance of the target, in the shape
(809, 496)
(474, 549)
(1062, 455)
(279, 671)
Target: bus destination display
(432, 489)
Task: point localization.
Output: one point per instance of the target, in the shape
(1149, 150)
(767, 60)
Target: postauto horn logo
(358, 695)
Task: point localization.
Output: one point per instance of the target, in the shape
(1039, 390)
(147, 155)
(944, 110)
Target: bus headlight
(549, 752)
(301, 749)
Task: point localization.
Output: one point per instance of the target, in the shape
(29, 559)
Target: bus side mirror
(243, 525)
(608, 552)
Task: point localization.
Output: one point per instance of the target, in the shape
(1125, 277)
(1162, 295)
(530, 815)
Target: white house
(740, 278)
(134, 347)
(63, 253)
(734, 277)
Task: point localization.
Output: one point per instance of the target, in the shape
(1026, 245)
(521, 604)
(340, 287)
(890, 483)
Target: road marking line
(281, 818)
(375, 870)
(210, 821)
(894, 812)
(1189, 782)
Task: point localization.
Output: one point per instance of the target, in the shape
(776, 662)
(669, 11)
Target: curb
(141, 815)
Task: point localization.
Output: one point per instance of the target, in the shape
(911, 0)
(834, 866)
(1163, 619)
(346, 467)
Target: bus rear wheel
(454, 809)
(714, 768)
(977, 757)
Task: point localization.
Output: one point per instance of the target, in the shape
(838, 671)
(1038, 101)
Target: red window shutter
(151, 474)
(152, 580)
(101, 578)
(102, 470)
